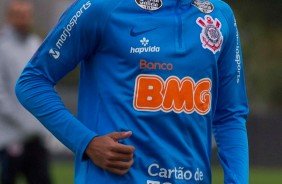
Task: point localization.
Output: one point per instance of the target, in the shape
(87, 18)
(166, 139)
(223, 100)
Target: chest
(178, 41)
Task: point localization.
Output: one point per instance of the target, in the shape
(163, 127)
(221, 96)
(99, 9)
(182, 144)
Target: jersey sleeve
(73, 39)
(229, 124)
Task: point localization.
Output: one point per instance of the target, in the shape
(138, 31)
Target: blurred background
(260, 26)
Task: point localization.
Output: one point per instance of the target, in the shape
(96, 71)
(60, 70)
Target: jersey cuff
(81, 153)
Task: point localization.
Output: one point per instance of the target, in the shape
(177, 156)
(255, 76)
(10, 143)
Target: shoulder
(223, 8)
(94, 6)
(221, 5)
(215, 7)
(86, 12)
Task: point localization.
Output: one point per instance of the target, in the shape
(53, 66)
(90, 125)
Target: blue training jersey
(170, 71)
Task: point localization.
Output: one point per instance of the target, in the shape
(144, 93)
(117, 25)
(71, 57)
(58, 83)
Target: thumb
(120, 135)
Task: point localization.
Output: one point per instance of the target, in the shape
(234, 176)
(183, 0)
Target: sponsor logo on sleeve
(211, 36)
(238, 54)
(54, 53)
(67, 30)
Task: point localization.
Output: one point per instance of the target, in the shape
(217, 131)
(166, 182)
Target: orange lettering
(178, 95)
(148, 93)
(143, 64)
(203, 96)
(153, 94)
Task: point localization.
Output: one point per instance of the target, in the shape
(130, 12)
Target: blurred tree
(260, 29)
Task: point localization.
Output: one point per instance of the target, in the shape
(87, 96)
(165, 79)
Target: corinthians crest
(211, 35)
(149, 4)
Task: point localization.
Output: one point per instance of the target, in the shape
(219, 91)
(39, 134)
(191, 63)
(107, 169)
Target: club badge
(211, 36)
(149, 4)
(203, 5)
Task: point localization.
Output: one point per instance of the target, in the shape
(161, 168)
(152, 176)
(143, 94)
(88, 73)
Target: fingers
(120, 135)
(121, 148)
(113, 156)
(118, 167)
(117, 163)
(107, 153)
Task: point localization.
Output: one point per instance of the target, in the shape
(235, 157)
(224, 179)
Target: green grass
(258, 175)
(266, 175)
(63, 173)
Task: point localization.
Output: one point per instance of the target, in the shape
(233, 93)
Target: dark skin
(106, 152)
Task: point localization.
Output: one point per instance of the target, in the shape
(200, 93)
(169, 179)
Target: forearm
(233, 152)
(39, 97)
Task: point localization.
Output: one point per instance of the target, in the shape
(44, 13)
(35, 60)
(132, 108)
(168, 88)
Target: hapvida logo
(144, 42)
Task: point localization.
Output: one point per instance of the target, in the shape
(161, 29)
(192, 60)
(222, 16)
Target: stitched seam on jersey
(228, 35)
(105, 24)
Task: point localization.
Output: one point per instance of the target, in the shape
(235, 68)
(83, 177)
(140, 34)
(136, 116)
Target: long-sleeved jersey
(170, 71)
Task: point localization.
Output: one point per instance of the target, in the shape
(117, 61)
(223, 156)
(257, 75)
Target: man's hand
(106, 152)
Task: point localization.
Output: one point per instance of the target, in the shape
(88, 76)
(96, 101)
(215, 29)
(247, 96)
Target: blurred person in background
(21, 138)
